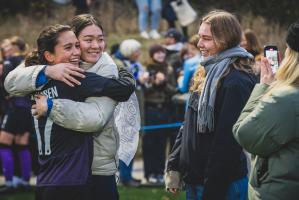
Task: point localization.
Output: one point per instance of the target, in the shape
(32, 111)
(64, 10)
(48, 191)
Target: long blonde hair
(198, 80)
(288, 72)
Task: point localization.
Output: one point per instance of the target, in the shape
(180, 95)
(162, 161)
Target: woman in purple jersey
(16, 125)
(65, 156)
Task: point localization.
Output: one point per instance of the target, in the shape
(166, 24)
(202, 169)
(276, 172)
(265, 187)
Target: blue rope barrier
(160, 126)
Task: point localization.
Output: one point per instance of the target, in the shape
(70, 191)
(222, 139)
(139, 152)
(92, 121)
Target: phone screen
(272, 56)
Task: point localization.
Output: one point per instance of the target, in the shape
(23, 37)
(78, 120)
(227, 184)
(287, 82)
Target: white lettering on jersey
(51, 92)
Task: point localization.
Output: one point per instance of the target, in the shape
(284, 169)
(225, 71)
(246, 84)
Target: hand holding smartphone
(271, 53)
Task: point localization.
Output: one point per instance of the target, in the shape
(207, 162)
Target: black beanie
(155, 48)
(293, 36)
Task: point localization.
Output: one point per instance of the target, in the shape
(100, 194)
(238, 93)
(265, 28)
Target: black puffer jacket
(214, 159)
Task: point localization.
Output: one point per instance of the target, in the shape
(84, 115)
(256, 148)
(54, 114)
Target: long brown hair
(225, 29)
(227, 33)
(46, 41)
(253, 44)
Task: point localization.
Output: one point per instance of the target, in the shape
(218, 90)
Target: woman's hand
(174, 191)
(40, 109)
(159, 78)
(173, 182)
(88, 2)
(65, 72)
(267, 75)
(144, 77)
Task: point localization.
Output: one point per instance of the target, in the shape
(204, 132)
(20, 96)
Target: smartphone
(272, 54)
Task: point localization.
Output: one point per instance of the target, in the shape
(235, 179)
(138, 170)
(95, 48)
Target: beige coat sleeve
(21, 81)
(91, 115)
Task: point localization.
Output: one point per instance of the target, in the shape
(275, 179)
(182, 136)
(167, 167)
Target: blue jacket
(189, 67)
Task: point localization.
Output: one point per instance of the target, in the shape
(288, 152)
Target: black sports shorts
(80, 192)
(17, 121)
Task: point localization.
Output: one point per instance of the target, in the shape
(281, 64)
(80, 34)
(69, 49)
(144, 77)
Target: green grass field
(125, 193)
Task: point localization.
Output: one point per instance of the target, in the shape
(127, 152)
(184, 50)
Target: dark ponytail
(33, 58)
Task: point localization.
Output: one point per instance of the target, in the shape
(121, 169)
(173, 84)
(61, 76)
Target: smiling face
(192, 50)
(159, 56)
(92, 43)
(6, 48)
(206, 43)
(135, 55)
(67, 49)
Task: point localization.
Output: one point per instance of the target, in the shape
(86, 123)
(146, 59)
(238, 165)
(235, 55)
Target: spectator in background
(173, 45)
(2, 99)
(146, 8)
(158, 91)
(6, 49)
(191, 63)
(5, 53)
(128, 56)
(2, 95)
(1, 87)
(173, 41)
(205, 155)
(268, 127)
(82, 6)
(251, 43)
(191, 59)
(16, 125)
(170, 16)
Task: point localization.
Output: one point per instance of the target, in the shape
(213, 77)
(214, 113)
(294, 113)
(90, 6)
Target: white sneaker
(154, 34)
(144, 35)
(152, 179)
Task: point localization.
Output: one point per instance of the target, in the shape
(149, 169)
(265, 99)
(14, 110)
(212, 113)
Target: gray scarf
(215, 67)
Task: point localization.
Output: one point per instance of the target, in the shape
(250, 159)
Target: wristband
(50, 105)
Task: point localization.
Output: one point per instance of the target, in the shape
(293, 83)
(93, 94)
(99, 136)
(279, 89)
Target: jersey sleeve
(22, 80)
(118, 89)
(89, 116)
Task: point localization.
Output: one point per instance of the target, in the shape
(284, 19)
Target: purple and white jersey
(65, 156)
